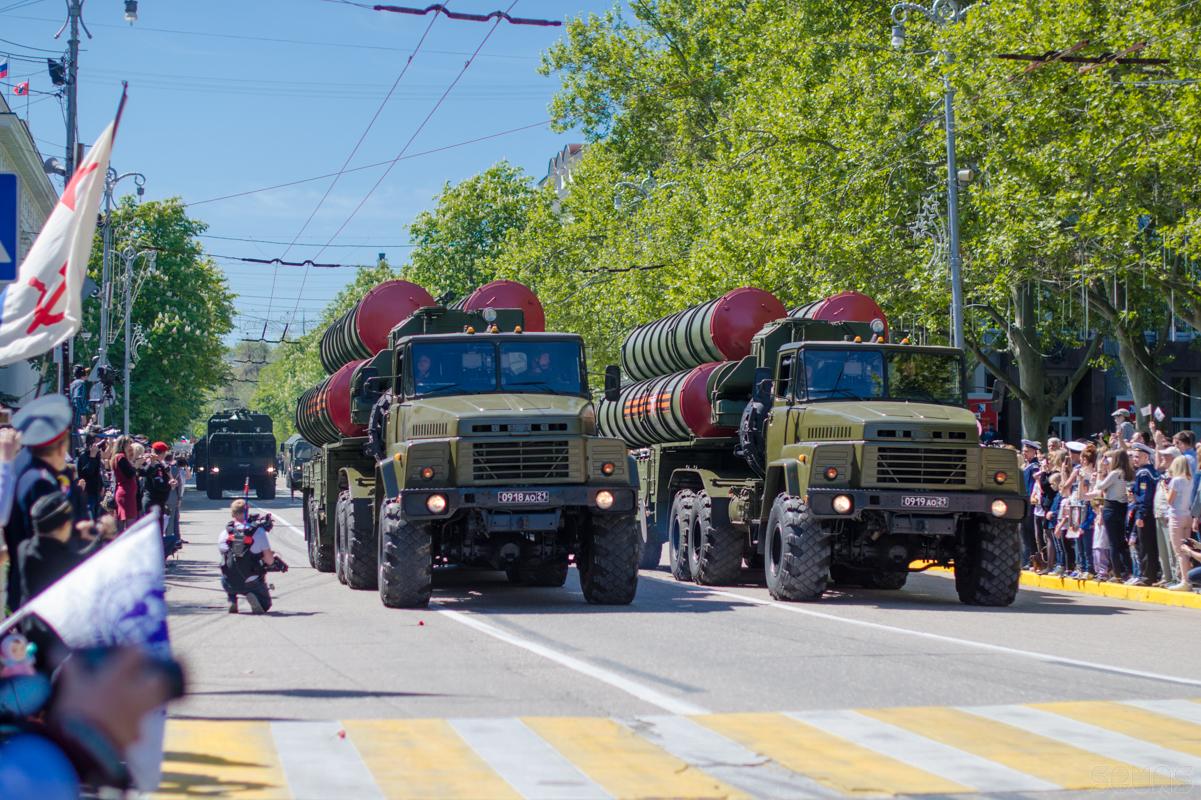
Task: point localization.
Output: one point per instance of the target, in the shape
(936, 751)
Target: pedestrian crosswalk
(1008, 749)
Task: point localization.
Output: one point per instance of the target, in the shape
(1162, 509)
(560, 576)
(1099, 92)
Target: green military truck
(239, 448)
(295, 452)
(487, 457)
(813, 447)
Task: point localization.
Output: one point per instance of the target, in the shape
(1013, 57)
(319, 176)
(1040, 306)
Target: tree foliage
(182, 304)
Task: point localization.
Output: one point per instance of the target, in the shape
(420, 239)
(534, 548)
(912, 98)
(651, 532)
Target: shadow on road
(319, 694)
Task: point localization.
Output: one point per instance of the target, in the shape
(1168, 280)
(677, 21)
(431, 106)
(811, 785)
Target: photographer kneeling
(246, 557)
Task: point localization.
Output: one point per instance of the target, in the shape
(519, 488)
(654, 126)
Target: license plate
(925, 501)
(523, 498)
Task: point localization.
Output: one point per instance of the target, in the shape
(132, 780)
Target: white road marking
(724, 759)
(666, 702)
(938, 637)
(1139, 754)
(947, 762)
(320, 764)
(531, 766)
(1178, 709)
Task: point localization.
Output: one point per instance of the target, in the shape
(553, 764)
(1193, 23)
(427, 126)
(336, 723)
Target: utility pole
(106, 284)
(132, 339)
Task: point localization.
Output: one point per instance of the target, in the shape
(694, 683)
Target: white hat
(1170, 451)
(1121, 412)
(1076, 447)
(43, 420)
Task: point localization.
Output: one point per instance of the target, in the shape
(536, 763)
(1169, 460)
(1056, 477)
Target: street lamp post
(942, 13)
(130, 255)
(106, 286)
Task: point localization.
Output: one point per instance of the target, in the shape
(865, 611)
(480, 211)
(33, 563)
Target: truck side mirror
(762, 384)
(612, 383)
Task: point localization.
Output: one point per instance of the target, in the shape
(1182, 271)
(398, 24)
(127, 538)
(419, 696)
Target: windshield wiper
(542, 384)
(453, 389)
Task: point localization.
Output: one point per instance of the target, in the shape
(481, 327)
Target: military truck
(296, 452)
(200, 462)
(239, 447)
(487, 456)
(811, 445)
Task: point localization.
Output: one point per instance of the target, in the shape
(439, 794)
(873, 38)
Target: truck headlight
(608, 468)
(1000, 477)
(999, 508)
(427, 473)
(436, 503)
(215, 470)
(270, 470)
(604, 499)
(831, 473)
(843, 504)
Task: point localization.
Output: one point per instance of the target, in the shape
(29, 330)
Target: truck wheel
(609, 563)
(652, 541)
(798, 551)
(340, 537)
(358, 545)
(321, 555)
(678, 529)
(406, 565)
(551, 573)
(989, 567)
(213, 489)
(265, 490)
(716, 557)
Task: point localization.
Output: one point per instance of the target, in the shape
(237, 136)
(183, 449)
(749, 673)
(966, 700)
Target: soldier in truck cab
(421, 372)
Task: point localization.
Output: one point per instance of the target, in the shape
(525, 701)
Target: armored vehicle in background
(468, 441)
(295, 452)
(200, 462)
(811, 445)
(239, 447)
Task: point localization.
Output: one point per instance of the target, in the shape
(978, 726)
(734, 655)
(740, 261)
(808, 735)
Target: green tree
(184, 308)
(454, 243)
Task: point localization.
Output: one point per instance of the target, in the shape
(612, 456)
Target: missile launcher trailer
(812, 447)
(487, 455)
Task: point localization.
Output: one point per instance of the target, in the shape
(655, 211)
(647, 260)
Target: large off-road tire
(551, 573)
(714, 549)
(359, 548)
(989, 567)
(608, 564)
(340, 537)
(405, 561)
(652, 541)
(265, 490)
(678, 531)
(213, 489)
(797, 551)
(321, 554)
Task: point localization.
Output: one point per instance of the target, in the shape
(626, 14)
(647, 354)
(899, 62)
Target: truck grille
(921, 465)
(521, 460)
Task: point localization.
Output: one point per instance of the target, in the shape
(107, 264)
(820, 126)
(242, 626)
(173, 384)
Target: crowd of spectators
(1121, 507)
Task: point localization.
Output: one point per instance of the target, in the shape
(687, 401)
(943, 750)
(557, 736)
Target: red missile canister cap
(695, 405)
(384, 307)
(337, 396)
(847, 307)
(738, 316)
(509, 294)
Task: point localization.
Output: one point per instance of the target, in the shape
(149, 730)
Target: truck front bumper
(498, 502)
(923, 504)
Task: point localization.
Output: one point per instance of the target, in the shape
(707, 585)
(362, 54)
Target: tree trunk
(1136, 358)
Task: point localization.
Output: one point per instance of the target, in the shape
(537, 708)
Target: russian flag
(21, 89)
(4, 68)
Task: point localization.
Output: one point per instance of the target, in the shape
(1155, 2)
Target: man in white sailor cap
(44, 425)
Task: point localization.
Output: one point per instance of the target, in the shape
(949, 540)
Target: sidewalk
(1115, 591)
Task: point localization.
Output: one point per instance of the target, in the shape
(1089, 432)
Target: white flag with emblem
(116, 597)
(43, 307)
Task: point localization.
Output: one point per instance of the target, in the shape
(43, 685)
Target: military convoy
(239, 447)
(462, 436)
(813, 445)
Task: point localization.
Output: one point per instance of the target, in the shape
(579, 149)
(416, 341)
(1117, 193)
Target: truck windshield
(865, 374)
(303, 451)
(532, 366)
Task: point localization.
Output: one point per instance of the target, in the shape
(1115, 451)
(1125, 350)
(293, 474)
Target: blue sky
(231, 95)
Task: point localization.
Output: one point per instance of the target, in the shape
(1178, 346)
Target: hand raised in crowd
(10, 444)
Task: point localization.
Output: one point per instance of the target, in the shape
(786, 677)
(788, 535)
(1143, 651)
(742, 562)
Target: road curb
(1114, 591)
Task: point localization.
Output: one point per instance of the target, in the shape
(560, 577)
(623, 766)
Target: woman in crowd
(1169, 564)
(125, 478)
(1114, 489)
(1080, 511)
(1180, 519)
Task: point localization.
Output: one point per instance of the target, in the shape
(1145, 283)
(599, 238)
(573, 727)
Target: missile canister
(508, 294)
(363, 331)
(323, 412)
(669, 408)
(843, 307)
(719, 330)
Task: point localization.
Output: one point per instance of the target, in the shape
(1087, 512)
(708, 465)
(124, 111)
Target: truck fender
(783, 476)
(361, 487)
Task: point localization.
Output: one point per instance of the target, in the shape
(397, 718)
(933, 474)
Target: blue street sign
(10, 193)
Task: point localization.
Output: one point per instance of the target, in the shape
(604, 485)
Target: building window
(1186, 405)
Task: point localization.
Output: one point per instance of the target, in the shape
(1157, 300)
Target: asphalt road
(485, 649)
